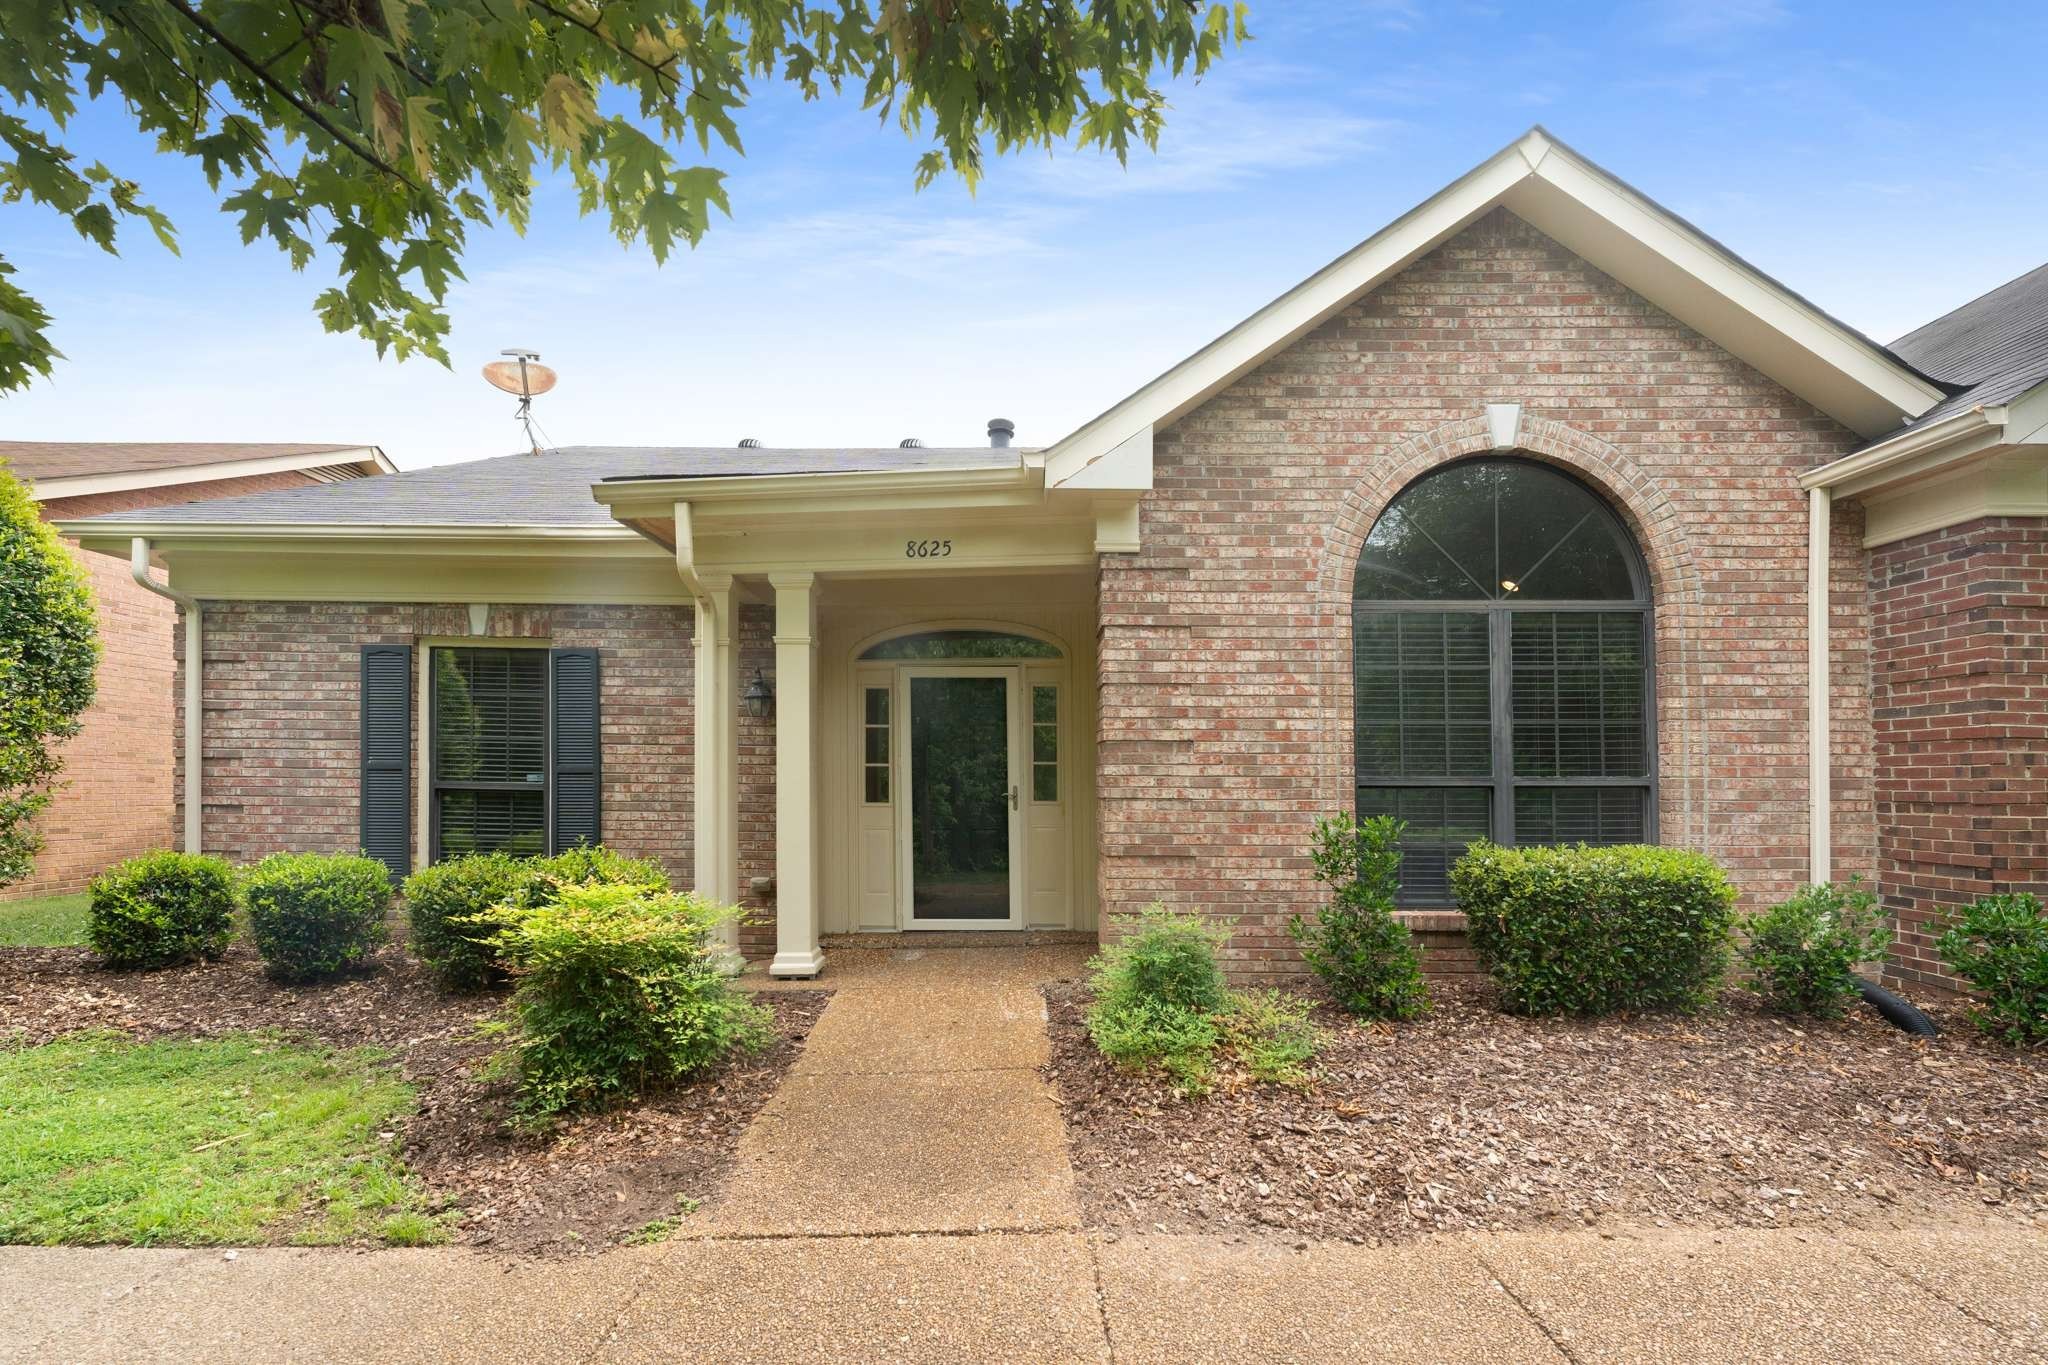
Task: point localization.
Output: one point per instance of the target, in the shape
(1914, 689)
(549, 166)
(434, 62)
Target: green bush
(2000, 946)
(587, 865)
(1803, 954)
(445, 908)
(49, 653)
(1160, 1000)
(1581, 930)
(316, 915)
(618, 993)
(162, 908)
(1367, 957)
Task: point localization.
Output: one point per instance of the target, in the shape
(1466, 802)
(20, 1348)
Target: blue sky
(1882, 159)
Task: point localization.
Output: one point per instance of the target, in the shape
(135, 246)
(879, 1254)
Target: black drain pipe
(1898, 1011)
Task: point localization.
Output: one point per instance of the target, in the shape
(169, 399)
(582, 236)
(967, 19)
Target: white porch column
(715, 760)
(1819, 736)
(796, 818)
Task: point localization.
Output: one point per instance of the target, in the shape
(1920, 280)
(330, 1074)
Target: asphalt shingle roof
(71, 459)
(549, 489)
(1996, 345)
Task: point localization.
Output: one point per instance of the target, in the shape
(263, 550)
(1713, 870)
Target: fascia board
(1910, 453)
(770, 489)
(1126, 468)
(368, 458)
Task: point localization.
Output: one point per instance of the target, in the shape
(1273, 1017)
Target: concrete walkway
(907, 1197)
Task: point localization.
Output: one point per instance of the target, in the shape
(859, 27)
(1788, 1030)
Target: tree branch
(659, 69)
(278, 88)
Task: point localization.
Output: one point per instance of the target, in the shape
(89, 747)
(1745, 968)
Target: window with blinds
(490, 751)
(1501, 669)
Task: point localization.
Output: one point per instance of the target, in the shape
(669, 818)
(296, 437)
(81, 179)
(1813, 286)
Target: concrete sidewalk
(1953, 1293)
(906, 1196)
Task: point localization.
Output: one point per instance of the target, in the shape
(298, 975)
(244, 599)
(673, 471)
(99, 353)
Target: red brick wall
(283, 716)
(116, 800)
(757, 784)
(1960, 708)
(1226, 665)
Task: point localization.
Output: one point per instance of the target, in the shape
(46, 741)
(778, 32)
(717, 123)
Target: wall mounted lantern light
(759, 698)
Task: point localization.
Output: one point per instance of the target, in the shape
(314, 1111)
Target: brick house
(116, 800)
(1537, 515)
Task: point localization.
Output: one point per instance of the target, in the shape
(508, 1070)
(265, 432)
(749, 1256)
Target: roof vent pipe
(910, 443)
(750, 443)
(1000, 430)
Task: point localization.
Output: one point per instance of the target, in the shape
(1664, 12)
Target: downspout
(1819, 780)
(195, 625)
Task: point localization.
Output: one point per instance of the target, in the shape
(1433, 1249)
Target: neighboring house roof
(549, 489)
(1996, 346)
(69, 469)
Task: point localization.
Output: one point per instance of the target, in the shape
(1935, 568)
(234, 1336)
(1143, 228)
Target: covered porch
(927, 688)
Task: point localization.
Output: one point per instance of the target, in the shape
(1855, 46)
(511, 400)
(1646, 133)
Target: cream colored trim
(195, 709)
(1910, 453)
(1819, 737)
(240, 575)
(796, 789)
(1590, 212)
(122, 481)
(2008, 482)
(305, 537)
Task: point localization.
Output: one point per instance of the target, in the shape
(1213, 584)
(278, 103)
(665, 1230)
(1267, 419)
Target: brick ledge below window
(1433, 921)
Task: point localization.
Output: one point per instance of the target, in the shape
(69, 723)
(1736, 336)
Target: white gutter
(138, 568)
(1819, 745)
(1904, 447)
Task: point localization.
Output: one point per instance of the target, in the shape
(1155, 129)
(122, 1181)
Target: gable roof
(60, 469)
(551, 489)
(1638, 242)
(1995, 346)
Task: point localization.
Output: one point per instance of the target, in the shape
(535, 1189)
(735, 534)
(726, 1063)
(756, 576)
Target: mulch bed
(1472, 1119)
(585, 1186)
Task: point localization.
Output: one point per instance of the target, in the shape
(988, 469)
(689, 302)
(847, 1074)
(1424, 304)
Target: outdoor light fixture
(759, 698)
(1510, 584)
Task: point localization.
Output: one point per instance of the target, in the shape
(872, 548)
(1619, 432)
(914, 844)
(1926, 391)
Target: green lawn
(183, 1142)
(45, 922)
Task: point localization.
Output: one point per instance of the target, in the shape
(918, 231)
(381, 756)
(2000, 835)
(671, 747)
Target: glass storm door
(961, 825)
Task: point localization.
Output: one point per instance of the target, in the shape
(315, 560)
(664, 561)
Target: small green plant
(1367, 957)
(316, 915)
(2000, 946)
(1803, 954)
(617, 994)
(1272, 1036)
(160, 909)
(1574, 929)
(446, 909)
(412, 1229)
(586, 865)
(1160, 1000)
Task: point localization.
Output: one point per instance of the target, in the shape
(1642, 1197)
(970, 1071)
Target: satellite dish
(524, 378)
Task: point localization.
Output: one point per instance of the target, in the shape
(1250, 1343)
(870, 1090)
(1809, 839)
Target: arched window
(1501, 661)
(963, 644)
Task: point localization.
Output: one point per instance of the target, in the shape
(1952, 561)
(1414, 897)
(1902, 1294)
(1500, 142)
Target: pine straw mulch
(1473, 1119)
(590, 1184)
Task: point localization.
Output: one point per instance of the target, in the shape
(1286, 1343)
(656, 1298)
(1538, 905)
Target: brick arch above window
(1650, 518)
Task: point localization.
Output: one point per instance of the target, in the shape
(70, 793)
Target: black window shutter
(575, 749)
(387, 755)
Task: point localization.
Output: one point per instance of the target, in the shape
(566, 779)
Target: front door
(959, 853)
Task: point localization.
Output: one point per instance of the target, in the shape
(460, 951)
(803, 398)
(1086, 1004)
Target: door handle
(1013, 798)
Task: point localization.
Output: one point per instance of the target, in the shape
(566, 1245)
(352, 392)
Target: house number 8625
(927, 549)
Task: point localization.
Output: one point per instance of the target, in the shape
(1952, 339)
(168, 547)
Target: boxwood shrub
(2000, 946)
(587, 865)
(1581, 930)
(618, 994)
(316, 915)
(447, 915)
(1803, 954)
(160, 909)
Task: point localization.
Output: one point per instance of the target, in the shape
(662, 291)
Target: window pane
(491, 822)
(490, 715)
(1571, 815)
(1045, 782)
(1587, 564)
(1442, 822)
(1579, 694)
(1045, 742)
(878, 706)
(877, 786)
(1421, 694)
(875, 746)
